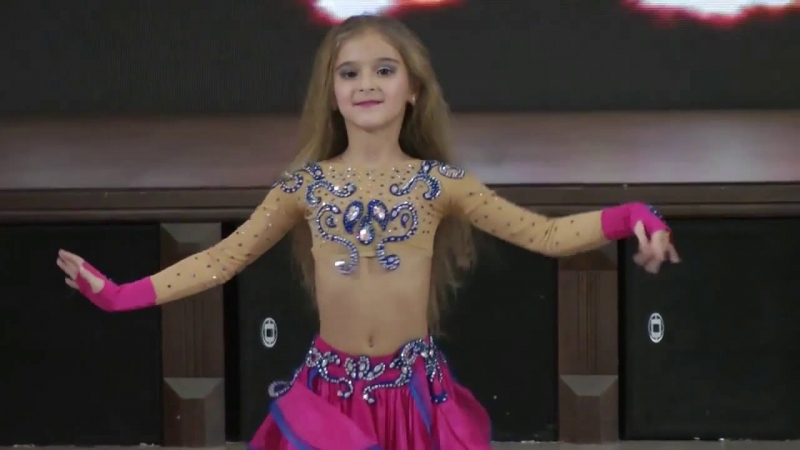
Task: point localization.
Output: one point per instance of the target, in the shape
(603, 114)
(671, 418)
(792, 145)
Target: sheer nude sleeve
(487, 211)
(281, 210)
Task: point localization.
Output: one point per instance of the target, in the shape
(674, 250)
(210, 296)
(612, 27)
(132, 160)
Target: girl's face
(371, 83)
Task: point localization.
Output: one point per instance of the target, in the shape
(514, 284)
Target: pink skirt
(406, 401)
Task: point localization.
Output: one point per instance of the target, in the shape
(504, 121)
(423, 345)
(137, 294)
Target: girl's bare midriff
(373, 311)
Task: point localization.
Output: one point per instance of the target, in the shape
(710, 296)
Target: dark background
(146, 56)
(71, 374)
(728, 362)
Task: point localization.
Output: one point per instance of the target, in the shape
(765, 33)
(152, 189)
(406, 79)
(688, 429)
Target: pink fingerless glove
(618, 221)
(114, 298)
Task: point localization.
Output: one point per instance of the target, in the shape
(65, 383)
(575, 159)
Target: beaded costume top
(356, 213)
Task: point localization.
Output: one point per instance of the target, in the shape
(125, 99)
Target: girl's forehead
(366, 47)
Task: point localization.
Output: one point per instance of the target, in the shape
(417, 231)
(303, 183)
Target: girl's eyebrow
(382, 59)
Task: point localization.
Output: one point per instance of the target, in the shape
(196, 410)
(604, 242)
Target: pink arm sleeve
(113, 298)
(618, 222)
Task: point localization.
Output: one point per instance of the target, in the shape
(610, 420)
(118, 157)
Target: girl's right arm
(269, 223)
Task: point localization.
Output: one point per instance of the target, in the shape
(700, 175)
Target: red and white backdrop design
(132, 56)
(719, 12)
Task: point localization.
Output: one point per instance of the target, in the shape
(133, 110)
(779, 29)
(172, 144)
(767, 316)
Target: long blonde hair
(425, 134)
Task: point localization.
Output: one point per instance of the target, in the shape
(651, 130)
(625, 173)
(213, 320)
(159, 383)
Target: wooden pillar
(588, 355)
(193, 349)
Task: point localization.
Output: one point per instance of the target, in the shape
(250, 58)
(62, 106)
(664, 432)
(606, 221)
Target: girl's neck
(373, 149)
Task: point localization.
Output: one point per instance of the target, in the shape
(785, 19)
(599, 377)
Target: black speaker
(276, 323)
(71, 373)
(501, 339)
(711, 346)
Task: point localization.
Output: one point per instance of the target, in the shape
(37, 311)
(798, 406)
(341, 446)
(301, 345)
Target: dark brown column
(193, 349)
(588, 356)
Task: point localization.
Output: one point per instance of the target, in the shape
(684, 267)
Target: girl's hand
(101, 291)
(78, 276)
(656, 249)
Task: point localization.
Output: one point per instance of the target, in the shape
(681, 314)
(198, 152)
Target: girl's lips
(368, 104)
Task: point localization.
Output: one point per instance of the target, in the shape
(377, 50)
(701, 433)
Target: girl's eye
(385, 71)
(347, 74)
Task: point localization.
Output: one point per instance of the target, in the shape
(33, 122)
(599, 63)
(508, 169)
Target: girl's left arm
(550, 236)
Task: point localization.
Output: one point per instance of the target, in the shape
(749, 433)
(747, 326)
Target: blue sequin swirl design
(362, 369)
(359, 219)
(404, 362)
(340, 191)
(423, 175)
(452, 172)
(289, 182)
(408, 219)
(278, 388)
(353, 213)
(320, 361)
(315, 170)
(326, 216)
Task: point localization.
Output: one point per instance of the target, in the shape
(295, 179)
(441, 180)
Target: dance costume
(403, 401)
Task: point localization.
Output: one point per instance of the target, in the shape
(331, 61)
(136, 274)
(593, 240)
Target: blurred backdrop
(146, 56)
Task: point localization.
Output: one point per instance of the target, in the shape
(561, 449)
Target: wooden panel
(191, 412)
(195, 205)
(542, 148)
(590, 403)
(193, 349)
(588, 354)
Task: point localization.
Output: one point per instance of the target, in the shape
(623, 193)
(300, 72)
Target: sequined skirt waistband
(369, 373)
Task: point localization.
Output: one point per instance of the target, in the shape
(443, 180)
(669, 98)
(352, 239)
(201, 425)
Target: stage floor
(630, 445)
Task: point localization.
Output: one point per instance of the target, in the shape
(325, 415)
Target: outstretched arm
(269, 223)
(557, 237)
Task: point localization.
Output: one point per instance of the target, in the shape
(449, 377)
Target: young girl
(382, 232)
